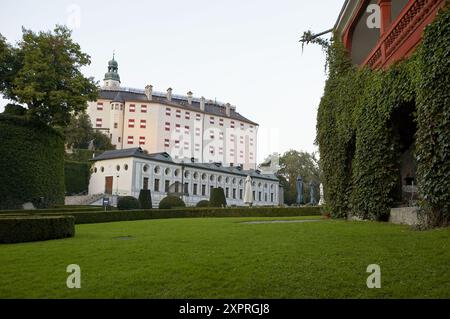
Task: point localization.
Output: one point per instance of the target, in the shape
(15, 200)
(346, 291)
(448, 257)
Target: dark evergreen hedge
(76, 175)
(203, 203)
(190, 212)
(31, 163)
(18, 229)
(145, 199)
(217, 198)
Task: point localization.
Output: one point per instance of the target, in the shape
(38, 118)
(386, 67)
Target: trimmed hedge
(31, 163)
(145, 199)
(52, 210)
(116, 216)
(128, 203)
(170, 202)
(203, 203)
(19, 229)
(217, 198)
(76, 175)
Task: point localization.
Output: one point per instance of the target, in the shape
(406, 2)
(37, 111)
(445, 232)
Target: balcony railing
(410, 19)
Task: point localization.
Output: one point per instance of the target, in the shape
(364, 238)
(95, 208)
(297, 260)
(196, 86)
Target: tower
(112, 78)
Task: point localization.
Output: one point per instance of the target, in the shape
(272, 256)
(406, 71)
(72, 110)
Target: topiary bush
(171, 201)
(31, 163)
(145, 199)
(128, 203)
(217, 198)
(18, 229)
(203, 203)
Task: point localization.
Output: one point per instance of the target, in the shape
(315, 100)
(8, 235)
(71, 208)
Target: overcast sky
(242, 52)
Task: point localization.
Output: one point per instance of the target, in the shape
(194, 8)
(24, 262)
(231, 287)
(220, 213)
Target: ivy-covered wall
(76, 176)
(356, 129)
(31, 163)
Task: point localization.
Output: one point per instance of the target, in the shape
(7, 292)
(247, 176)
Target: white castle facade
(185, 127)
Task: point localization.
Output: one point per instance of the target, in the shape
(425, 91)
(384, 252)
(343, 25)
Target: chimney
(228, 109)
(169, 94)
(189, 97)
(202, 103)
(149, 92)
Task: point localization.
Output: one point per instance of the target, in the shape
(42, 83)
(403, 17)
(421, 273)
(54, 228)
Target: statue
(299, 190)
(312, 200)
(322, 200)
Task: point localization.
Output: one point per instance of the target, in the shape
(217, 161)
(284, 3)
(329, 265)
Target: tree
(43, 73)
(217, 198)
(79, 134)
(293, 164)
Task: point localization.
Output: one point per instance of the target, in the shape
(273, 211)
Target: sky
(244, 52)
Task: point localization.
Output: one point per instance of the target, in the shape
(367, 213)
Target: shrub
(76, 175)
(188, 212)
(217, 198)
(203, 203)
(145, 199)
(18, 229)
(171, 201)
(127, 203)
(31, 163)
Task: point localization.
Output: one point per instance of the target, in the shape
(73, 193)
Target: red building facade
(378, 33)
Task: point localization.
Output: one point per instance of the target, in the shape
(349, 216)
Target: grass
(222, 258)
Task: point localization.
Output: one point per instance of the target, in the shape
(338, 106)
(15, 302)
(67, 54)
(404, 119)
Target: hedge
(128, 203)
(170, 202)
(18, 229)
(217, 198)
(145, 199)
(116, 216)
(52, 210)
(76, 176)
(31, 163)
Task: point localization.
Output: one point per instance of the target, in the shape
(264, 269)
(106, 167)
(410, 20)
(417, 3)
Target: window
(145, 183)
(177, 128)
(168, 111)
(125, 167)
(132, 108)
(131, 123)
(241, 154)
(203, 190)
(186, 145)
(221, 136)
(271, 197)
(232, 152)
(118, 168)
(211, 134)
(166, 186)
(177, 144)
(186, 129)
(242, 140)
(156, 185)
(197, 147)
(187, 116)
(178, 113)
(145, 168)
(143, 108)
(99, 106)
(141, 140)
(211, 150)
(211, 120)
(220, 122)
(232, 124)
(186, 188)
(118, 139)
(143, 123)
(177, 187)
(251, 142)
(259, 196)
(234, 193)
(227, 192)
(232, 138)
(197, 131)
(130, 139)
(166, 143)
(240, 194)
(198, 117)
(167, 125)
(211, 189)
(98, 122)
(242, 126)
(116, 125)
(265, 197)
(157, 169)
(220, 150)
(194, 189)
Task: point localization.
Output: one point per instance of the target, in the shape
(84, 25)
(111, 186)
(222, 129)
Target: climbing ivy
(359, 148)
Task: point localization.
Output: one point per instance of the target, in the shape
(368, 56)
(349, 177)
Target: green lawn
(223, 258)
